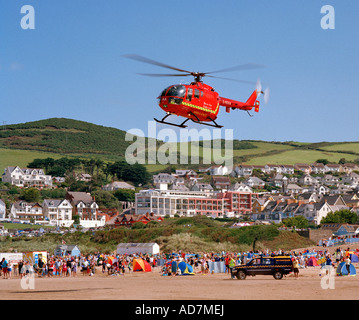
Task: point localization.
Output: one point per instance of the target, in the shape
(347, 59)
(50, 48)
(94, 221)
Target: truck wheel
(278, 275)
(241, 275)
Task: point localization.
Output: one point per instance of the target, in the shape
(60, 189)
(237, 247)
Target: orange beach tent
(312, 262)
(141, 265)
(111, 260)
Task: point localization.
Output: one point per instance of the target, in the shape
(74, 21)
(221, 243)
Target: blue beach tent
(185, 268)
(342, 270)
(354, 258)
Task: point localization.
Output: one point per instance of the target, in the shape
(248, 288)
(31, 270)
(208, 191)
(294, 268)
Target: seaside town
(249, 195)
(255, 194)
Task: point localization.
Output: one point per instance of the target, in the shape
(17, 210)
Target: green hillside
(64, 136)
(59, 137)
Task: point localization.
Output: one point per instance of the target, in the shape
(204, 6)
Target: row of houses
(243, 170)
(36, 178)
(315, 168)
(326, 184)
(57, 212)
(312, 206)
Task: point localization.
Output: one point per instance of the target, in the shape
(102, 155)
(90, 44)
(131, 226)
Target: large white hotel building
(190, 203)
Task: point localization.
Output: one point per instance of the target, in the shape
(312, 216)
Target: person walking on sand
(231, 265)
(9, 268)
(226, 262)
(347, 264)
(328, 264)
(295, 268)
(4, 268)
(74, 267)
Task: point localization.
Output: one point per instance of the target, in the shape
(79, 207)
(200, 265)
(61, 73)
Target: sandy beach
(154, 286)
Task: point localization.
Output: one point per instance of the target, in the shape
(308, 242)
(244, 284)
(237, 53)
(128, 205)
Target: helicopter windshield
(177, 91)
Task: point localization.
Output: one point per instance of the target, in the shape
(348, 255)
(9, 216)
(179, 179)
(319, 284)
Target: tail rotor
(260, 91)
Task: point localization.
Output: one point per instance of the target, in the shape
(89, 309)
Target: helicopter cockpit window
(196, 93)
(177, 91)
(163, 93)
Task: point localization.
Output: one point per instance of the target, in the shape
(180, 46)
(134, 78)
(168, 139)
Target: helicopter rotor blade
(230, 79)
(164, 75)
(247, 66)
(150, 61)
(197, 75)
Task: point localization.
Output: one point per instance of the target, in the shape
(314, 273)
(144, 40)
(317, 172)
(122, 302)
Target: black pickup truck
(276, 266)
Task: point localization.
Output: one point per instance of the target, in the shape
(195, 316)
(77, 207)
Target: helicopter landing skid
(215, 125)
(170, 123)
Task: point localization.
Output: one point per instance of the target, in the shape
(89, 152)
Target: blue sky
(71, 65)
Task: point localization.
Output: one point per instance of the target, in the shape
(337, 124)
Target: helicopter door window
(196, 93)
(189, 94)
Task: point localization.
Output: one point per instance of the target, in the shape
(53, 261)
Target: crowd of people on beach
(165, 263)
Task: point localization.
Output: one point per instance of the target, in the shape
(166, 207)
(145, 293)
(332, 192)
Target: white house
(351, 179)
(58, 212)
(293, 188)
(206, 187)
(333, 167)
(287, 169)
(26, 212)
(163, 178)
(2, 210)
(321, 211)
(86, 208)
(243, 170)
(279, 180)
(84, 177)
(27, 177)
(268, 168)
(241, 187)
(138, 248)
(318, 168)
(219, 170)
(255, 183)
(307, 179)
(115, 185)
(330, 180)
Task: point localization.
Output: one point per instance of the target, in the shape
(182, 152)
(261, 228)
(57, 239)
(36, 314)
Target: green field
(20, 144)
(346, 146)
(21, 158)
(300, 156)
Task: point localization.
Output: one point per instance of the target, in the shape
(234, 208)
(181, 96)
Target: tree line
(121, 170)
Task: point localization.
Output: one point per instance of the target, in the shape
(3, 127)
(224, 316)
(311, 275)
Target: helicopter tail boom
(248, 105)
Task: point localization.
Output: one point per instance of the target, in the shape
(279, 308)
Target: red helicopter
(198, 101)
